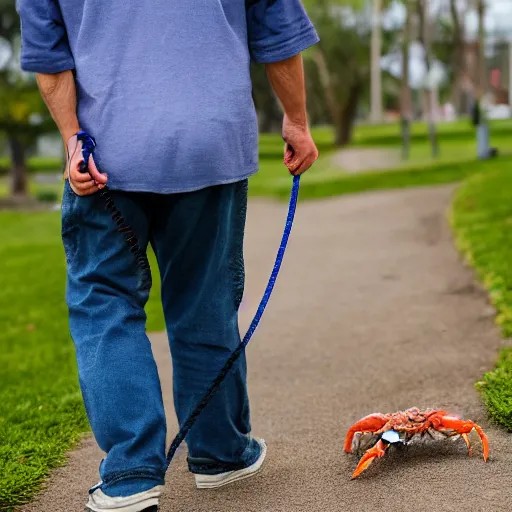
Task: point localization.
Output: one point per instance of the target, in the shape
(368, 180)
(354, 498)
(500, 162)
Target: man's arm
(278, 31)
(59, 93)
(287, 80)
(45, 51)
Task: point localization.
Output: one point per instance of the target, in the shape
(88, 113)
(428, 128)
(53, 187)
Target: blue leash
(88, 146)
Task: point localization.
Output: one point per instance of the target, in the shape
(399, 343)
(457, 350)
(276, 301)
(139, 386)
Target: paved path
(373, 311)
(355, 160)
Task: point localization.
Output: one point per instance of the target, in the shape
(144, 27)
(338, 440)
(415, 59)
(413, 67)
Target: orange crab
(402, 426)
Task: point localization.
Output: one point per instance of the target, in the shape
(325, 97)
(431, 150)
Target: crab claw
(370, 423)
(379, 450)
(465, 427)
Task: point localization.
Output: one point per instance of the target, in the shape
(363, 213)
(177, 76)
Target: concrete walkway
(356, 160)
(373, 312)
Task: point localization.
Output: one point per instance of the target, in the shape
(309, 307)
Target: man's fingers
(77, 176)
(302, 168)
(305, 165)
(289, 153)
(84, 185)
(84, 189)
(294, 161)
(95, 173)
(297, 163)
(92, 173)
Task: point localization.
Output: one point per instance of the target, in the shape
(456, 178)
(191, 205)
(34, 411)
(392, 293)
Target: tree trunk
(325, 79)
(429, 97)
(19, 180)
(271, 121)
(376, 75)
(342, 115)
(344, 122)
(460, 87)
(482, 68)
(405, 89)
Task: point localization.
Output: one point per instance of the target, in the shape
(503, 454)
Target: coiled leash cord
(88, 146)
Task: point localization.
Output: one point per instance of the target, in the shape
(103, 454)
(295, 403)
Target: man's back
(164, 86)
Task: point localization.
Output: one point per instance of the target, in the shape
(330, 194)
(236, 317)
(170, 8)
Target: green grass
(41, 412)
(389, 134)
(436, 174)
(482, 219)
(35, 164)
(456, 161)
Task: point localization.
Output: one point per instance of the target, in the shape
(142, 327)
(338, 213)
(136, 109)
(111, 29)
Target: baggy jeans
(197, 238)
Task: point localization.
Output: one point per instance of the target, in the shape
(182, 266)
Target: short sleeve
(278, 29)
(44, 41)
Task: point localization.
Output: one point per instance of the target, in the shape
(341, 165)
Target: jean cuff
(203, 466)
(130, 482)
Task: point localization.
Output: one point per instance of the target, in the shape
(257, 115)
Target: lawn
(482, 219)
(456, 161)
(41, 413)
(389, 134)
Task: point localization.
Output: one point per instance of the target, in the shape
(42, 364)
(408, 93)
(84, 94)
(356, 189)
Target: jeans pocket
(69, 226)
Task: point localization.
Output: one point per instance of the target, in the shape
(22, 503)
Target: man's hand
(59, 93)
(300, 150)
(82, 183)
(287, 80)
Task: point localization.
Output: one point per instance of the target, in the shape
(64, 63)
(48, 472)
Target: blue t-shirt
(164, 86)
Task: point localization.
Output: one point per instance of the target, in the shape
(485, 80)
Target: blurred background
(385, 75)
(401, 93)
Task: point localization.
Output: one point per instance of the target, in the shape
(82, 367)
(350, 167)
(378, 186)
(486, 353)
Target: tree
(23, 115)
(458, 60)
(406, 114)
(424, 38)
(376, 52)
(376, 75)
(343, 61)
(481, 68)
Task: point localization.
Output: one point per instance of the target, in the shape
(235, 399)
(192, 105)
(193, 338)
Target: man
(164, 88)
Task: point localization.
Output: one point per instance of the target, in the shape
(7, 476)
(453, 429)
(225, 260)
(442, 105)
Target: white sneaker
(146, 501)
(215, 481)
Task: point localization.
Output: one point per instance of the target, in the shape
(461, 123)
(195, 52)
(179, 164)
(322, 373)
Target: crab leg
(468, 444)
(370, 423)
(379, 450)
(463, 427)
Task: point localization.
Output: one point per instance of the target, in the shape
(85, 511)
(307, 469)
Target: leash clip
(88, 147)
